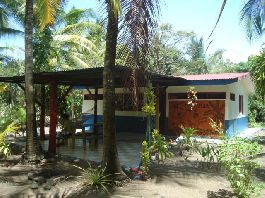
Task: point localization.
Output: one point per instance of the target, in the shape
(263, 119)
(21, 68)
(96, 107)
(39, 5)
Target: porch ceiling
(93, 77)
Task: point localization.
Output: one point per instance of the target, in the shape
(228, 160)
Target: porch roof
(93, 77)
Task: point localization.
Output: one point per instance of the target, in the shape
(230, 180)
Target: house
(221, 97)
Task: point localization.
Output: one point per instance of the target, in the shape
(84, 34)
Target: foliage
(188, 132)
(95, 177)
(256, 110)
(192, 97)
(145, 157)
(4, 147)
(160, 145)
(196, 51)
(149, 107)
(208, 152)
(167, 52)
(258, 73)
(252, 15)
(217, 127)
(236, 155)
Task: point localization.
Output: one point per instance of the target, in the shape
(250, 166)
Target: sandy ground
(176, 178)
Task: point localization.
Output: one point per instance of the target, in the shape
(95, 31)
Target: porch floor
(128, 144)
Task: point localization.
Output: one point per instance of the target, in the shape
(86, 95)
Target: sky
(200, 16)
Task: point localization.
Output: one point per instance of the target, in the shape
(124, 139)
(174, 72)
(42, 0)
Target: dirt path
(176, 178)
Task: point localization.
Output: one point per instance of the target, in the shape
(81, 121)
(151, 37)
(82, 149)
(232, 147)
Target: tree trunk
(33, 149)
(110, 153)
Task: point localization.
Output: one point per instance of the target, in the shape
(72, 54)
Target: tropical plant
(145, 157)
(237, 155)
(258, 73)
(197, 51)
(160, 146)
(188, 132)
(4, 147)
(208, 152)
(149, 108)
(96, 177)
(217, 127)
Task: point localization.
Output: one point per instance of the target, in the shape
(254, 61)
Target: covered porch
(92, 78)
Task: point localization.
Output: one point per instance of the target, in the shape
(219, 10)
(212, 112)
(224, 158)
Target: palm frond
(219, 17)
(253, 15)
(10, 32)
(137, 27)
(46, 11)
(81, 26)
(76, 39)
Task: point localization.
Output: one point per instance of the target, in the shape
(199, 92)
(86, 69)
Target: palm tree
(197, 52)
(32, 147)
(252, 14)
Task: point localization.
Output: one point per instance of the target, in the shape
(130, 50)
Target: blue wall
(235, 126)
(123, 123)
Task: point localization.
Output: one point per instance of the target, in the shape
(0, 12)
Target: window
(200, 95)
(241, 104)
(232, 97)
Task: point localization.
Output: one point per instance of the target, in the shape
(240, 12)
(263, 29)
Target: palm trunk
(32, 146)
(110, 153)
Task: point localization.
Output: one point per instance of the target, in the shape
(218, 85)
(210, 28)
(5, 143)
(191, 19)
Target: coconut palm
(253, 15)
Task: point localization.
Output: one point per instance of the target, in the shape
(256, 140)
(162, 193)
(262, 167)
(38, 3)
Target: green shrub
(4, 147)
(208, 152)
(188, 132)
(236, 155)
(96, 178)
(145, 157)
(160, 145)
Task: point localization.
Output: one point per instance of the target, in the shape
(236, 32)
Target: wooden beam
(96, 111)
(53, 117)
(157, 106)
(42, 113)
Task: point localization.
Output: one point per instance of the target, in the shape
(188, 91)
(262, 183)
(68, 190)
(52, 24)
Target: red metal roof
(223, 76)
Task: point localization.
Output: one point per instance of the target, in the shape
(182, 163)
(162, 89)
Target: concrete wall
(234, 121)
(126, 121)
(135, 120)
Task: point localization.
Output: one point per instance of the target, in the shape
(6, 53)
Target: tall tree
(32, 147)
(110, 153)
(196, 50)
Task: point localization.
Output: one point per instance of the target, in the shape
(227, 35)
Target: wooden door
(198, 118)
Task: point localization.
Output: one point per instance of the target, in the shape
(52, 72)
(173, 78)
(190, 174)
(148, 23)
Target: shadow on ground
(221, 193)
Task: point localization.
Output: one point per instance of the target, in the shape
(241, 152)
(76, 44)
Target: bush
(236, 155)
(188, 132)
(160, 145)
(4, 147)
(96, 178)
(145, 157)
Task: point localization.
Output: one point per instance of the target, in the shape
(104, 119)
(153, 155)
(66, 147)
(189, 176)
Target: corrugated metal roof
(223, 76)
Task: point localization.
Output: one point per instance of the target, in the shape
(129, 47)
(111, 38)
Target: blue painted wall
(132, 124)
(235, 126)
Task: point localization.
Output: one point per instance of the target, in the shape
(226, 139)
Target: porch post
(53, 117)
(157, 107)
(96, 111)
(42, 113)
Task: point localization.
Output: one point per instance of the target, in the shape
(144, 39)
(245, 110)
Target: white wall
(88, 105)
